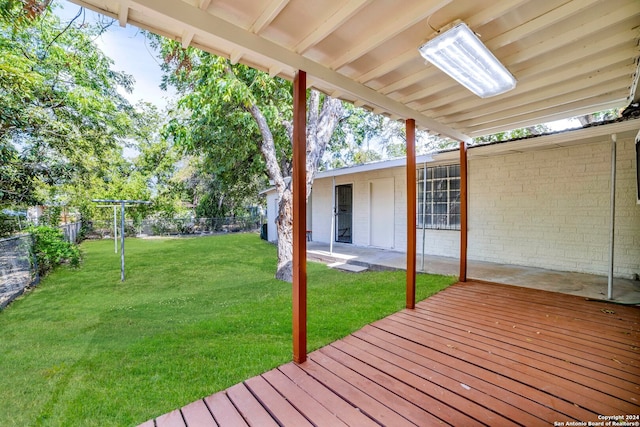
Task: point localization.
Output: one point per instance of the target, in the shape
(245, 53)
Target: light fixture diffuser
(459, 52)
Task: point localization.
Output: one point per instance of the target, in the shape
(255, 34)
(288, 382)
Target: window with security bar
(439, 197)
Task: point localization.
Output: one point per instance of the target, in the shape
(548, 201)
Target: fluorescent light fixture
(459, 52)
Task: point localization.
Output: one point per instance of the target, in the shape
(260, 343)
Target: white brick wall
(551, 209)
(546, 208)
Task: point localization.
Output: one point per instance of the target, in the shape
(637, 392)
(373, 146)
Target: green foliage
(61, 113)
(213, 125)
(194, 316)
(513, 134)
(52, 249)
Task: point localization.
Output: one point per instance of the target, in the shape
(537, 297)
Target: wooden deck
(474, 354)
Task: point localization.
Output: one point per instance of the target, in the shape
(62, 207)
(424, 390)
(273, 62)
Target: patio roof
(569, 57)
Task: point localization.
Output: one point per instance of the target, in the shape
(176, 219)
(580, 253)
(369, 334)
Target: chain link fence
(18, 268)
(18, 264)
(71, 231)
(173, 226)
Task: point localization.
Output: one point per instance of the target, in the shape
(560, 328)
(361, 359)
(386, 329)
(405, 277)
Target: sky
(131, 53)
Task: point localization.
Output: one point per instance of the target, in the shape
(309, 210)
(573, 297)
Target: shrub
(51, 249)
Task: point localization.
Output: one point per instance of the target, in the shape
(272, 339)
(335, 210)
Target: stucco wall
(546, 208)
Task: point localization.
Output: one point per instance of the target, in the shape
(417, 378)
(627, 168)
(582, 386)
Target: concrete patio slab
(590, 286)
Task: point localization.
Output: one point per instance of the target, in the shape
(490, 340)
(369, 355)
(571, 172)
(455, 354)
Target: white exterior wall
(322, 206)
(439, 242)
(272, 214)
(547, 208)
(551, 209)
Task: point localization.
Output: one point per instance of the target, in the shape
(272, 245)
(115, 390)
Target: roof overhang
(587, 135)
(570, 57)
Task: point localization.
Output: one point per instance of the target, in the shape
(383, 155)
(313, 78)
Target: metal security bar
(438, 197)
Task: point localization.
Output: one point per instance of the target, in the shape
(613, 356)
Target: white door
(382, 213)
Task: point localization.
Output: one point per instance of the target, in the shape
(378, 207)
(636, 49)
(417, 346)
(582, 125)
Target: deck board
(197, 414)
(249, 407)
(223, 411)
(475, 354)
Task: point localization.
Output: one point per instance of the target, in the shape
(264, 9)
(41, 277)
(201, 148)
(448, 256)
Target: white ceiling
(569, 57)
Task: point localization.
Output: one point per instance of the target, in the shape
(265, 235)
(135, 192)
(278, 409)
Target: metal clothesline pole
(115, 229)
(122, 241)
(122, 233)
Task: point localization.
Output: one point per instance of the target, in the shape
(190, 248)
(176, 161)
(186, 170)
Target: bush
(51, 249)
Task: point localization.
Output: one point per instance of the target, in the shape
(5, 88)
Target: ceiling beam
(235, 56)
(534, 101)
(123, 13)
(337, 18)
(590, 50)
(187, 37)
(430, 72)
(442, 105)
(389, 65)
(566, 80)
(180, 12)
(634, 92)
(524, 99)
(268, 15)
(274, 70)
(443, 84)
(540, 23)
(389, 29)
(572, 34)
(557, 112)
(422, 75)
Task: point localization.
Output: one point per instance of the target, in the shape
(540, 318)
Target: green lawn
(194, 316)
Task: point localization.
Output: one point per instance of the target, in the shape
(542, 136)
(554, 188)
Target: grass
(194, 316)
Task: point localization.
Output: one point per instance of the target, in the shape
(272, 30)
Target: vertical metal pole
(299, 217)
(424, 209)
(612, 228)
(115, 229)
(463, 212)
(410, 125)
(122, 241)
(333, 215)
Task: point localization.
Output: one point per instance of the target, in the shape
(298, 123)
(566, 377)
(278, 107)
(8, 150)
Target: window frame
(442, 200)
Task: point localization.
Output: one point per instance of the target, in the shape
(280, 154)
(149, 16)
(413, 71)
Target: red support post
(299, 217)
(463, 212)
(411, 213)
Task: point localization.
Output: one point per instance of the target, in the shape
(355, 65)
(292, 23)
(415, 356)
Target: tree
(512, 134)
(599, 116)
(60, 110)
(242, 120)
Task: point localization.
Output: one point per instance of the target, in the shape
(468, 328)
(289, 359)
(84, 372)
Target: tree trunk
(320, 127)
(284, 225)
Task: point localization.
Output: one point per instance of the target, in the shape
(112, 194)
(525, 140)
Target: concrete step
(326, 257)
(347, 267)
